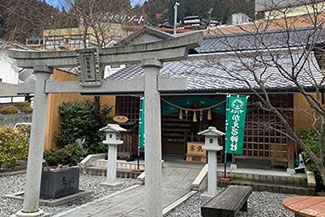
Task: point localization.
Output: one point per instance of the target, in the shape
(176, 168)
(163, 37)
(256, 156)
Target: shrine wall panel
(56, 100)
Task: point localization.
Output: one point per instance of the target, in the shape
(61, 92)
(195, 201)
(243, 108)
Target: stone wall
(8, 89)
(11, 120)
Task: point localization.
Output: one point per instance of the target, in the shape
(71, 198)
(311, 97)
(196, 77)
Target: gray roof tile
(205, 75)
(210, 74)
(252, 41)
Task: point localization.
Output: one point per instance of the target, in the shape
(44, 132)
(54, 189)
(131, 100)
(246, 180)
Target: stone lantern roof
(211, 131)
(113, 128)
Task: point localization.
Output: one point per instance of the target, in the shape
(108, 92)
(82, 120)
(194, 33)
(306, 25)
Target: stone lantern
(113, 139)
(212, 146)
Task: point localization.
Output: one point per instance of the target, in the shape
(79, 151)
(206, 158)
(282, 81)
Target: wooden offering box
(195, 153)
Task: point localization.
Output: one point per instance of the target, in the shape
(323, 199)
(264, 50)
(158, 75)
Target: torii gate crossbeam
(166, 51)
(108, 87)
(151, 56)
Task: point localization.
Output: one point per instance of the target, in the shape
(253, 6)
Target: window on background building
(115, 66)
(77, 41)
(54, 42)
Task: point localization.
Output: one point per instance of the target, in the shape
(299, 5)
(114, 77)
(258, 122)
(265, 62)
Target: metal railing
(13, 99)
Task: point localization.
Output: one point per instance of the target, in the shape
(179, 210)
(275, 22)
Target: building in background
(9, 71)
(79, 38)
(273, 9)
(34, 42)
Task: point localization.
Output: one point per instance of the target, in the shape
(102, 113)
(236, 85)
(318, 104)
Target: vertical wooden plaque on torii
(89, 68)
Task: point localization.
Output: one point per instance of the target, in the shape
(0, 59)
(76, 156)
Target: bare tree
(94, 17)
(293, 55)
(25, 18)
(100, 21)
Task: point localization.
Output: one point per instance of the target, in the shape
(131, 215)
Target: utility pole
(175, 17)
(209, 16)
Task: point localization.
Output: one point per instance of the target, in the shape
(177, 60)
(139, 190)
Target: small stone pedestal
(212, 146)
(113, 139)
(291, 171)
(233, 166)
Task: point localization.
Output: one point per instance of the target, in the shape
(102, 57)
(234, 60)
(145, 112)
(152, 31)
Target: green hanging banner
(236, 115)
(141, 125)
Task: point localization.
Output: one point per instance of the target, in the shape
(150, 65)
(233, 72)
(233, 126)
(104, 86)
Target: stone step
(261, 180)
(276, 188)
(296, 180)
(119, 165)
(102, 171)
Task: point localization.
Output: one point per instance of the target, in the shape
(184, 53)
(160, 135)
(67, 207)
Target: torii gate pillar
(163, 51)
(36, 149)
(152, 118)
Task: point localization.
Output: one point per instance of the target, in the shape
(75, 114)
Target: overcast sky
(58, 3)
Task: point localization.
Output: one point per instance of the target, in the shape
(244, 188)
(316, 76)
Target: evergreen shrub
(24, 107)
(311, 138)
(14, 144)
(78, 122)
(6, 110)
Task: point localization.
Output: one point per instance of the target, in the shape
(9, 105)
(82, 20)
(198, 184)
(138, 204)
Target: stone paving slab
(176, 184)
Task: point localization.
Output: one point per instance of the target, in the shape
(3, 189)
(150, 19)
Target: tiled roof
(5, 45)
(203, 75)
(252, 41)
(144, 30)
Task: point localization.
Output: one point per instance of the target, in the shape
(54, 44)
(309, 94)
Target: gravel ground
(260, 204)
(16, 183)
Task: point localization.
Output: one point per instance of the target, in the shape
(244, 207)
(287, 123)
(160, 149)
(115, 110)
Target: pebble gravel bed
(260, 204)
(16, 183)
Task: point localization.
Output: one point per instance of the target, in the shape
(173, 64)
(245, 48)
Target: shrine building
(202, 104)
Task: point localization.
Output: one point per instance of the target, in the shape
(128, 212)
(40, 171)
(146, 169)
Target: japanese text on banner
(236, 115)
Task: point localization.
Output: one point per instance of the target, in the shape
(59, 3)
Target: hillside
(26, 18)
(222, 9)
(22, 19)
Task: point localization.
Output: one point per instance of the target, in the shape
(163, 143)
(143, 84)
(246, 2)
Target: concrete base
(201, 180)
(39, 213)
(116, 184)
(233, 167)
(207, 195)
(178, 202)
(55, 202)
(142, 177)
(291, 171)
(177, 184)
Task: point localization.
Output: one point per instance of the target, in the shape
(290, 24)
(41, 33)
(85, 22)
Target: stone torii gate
(151, 56)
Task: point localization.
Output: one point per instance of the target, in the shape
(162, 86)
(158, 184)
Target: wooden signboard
(120, 119)
(195, 152)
